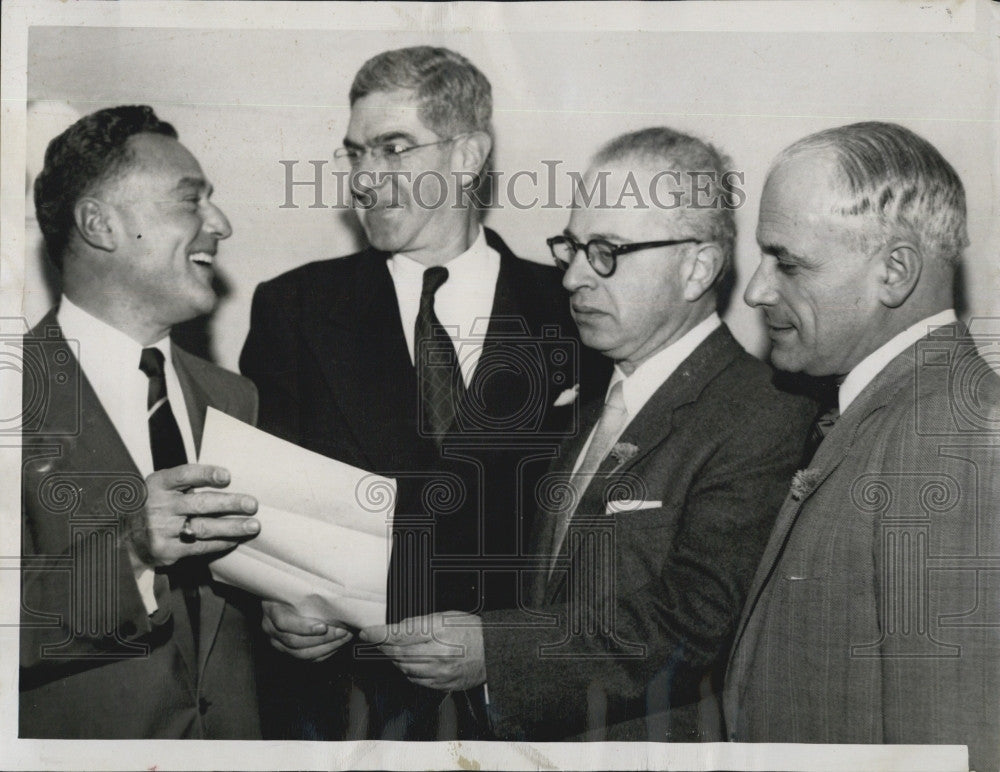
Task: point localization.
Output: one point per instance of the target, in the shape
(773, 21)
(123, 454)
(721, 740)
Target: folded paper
(326, 527)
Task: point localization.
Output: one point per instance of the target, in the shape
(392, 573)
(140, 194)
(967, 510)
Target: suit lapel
(196, 398)
(652, 427)
(516, 313)
(653, 424)
(97, 448)
(362, 352)
(507, 319)
(831, 453)
(547, 518)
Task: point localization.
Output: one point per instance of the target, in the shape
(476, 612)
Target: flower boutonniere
(623, 452)
(803, 483)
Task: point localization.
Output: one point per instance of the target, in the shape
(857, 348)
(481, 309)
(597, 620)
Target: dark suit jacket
(94, 663)
(875, 614)
(645, 601)
(327, 351)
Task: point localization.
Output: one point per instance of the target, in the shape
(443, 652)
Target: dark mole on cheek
(139, 236)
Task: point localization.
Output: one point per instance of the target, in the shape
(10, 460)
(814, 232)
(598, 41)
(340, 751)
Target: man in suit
(123, 635)
(434, 356)
(667, 495)
(874, 616)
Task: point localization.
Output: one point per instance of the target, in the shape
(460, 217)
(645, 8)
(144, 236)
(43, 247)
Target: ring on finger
(187, 534)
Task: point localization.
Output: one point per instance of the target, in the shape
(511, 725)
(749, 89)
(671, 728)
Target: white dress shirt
(463, 304)
(110, 360)
(638, 387)
(866, 370)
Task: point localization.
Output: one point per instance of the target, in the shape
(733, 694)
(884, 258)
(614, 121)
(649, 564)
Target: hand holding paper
(325, 529)
(155, 533)
(439, 651)
(301, 637)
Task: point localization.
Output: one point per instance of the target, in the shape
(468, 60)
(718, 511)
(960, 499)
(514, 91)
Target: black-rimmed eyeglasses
(601, 253)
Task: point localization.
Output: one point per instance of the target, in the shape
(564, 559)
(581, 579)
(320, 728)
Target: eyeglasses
(601, 253)
(390, 152)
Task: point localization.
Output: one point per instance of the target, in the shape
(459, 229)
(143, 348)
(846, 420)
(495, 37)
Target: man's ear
(703, 267)
(902, 263)
(471, 153)
(92, 220)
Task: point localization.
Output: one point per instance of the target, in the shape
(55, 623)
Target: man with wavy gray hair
(434, 356)
(873, 617)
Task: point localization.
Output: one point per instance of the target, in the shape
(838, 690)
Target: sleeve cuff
(144, 578)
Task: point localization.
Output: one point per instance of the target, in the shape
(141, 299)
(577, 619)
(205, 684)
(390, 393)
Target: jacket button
(203, 705)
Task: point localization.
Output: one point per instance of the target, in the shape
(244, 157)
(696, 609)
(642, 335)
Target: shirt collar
(461, 267)
(865, 371)
(638, 387)
(117, 350)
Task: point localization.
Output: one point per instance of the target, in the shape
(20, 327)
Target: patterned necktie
(439, 377)
(168, 451)
(609, 427)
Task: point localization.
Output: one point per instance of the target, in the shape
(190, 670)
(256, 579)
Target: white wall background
(242, 100)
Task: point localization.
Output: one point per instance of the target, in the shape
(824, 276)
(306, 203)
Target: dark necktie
(164, 434)
(439, 377)
(168, 451)
(825, 419)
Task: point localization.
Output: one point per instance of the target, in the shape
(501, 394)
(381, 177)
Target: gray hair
(453, 95)
(685, 154)
(894, 178)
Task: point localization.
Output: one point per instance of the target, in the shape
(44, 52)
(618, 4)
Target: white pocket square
(630, 505)
(568, 397)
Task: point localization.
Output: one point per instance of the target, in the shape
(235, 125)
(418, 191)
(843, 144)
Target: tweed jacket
(874, 616)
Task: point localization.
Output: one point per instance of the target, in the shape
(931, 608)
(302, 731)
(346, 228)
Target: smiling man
(667, 495)
(873, 617)
(123, 633)
(435, 356)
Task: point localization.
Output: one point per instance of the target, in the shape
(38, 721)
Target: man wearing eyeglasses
(435, 357)
(668, 494)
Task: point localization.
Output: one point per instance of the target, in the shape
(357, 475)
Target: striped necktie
(164, 434)
(168, 451)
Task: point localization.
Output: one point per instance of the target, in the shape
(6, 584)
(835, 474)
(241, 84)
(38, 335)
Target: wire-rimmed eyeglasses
(390, 152)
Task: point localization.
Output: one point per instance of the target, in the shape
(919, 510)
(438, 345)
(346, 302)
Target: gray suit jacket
(94, 663)
(875, 614)
(653, 594)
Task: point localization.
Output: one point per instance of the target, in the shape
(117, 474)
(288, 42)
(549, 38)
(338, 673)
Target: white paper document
(325, 527)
